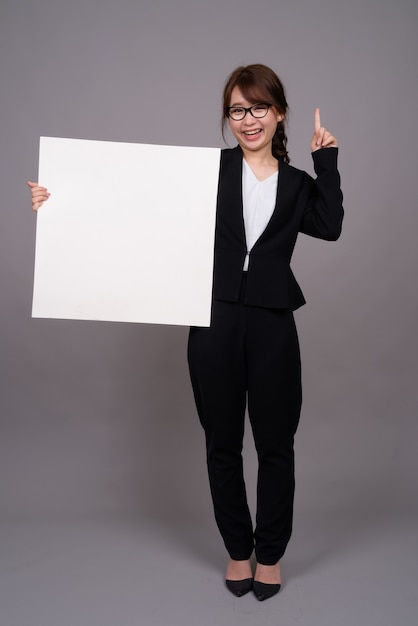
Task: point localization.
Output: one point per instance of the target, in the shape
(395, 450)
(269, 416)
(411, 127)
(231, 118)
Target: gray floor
(103, 570)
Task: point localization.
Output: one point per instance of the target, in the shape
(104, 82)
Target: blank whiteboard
(128, 232)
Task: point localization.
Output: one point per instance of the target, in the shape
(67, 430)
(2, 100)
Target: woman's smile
(252, 133)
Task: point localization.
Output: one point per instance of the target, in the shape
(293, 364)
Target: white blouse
(259, 200)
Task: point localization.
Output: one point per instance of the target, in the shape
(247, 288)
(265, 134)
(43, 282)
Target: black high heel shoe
(264, 591)
(239, 587)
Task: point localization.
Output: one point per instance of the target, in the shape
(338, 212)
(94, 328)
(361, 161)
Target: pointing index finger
(317, 119)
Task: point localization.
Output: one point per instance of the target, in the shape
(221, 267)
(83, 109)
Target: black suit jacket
(303, 205)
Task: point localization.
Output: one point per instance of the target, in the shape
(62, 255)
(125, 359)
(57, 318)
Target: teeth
(251, 132)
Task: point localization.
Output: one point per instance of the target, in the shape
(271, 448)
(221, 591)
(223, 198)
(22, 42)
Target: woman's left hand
(321, 138)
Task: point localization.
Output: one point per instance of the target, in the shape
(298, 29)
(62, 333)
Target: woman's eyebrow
(241, 104)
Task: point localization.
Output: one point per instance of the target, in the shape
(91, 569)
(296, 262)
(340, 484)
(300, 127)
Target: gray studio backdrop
(98, 418)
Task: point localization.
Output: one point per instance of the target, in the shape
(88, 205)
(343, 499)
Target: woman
(250, 353)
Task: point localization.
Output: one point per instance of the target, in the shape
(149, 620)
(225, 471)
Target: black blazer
(303, 205)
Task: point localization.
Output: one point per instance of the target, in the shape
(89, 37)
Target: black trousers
(249, 354)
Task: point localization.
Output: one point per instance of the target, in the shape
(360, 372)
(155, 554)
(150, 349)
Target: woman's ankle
(270, 574)
(238, 570)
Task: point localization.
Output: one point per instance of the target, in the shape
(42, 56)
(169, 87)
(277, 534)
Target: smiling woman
(250, 353)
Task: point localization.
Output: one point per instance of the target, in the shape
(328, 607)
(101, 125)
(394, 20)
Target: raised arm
(324, 212)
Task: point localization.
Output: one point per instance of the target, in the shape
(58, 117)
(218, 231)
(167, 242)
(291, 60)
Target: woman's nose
(248, 118)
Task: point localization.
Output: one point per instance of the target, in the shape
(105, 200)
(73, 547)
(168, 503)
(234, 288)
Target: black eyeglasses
(257, 110)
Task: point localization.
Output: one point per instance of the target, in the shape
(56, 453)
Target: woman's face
(253, 134)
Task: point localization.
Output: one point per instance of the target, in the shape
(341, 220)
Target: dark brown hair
(258, 83)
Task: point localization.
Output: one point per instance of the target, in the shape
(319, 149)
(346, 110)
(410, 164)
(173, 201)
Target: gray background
(105, 509)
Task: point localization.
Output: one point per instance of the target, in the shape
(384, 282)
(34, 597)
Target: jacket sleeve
(323, 213)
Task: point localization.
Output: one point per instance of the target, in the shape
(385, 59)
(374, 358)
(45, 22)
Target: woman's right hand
(39, 195)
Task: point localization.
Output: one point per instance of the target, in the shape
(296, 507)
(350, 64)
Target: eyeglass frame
(248, 110)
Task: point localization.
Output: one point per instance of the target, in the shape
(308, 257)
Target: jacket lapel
(231, 194)
(284, 200)
(231, 197)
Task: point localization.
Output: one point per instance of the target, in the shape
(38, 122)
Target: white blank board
(128, 232)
